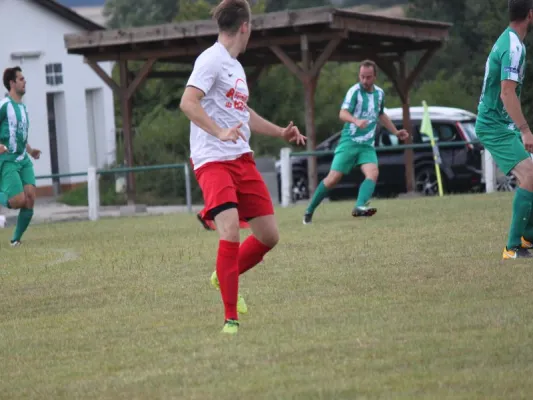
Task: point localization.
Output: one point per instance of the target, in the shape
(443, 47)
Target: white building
(70, 107)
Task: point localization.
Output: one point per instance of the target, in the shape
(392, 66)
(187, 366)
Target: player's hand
(361, 123)
(232, 134)
(403, 134)
(35, 153)
(292, 134)
(527, 138)
(3, 149)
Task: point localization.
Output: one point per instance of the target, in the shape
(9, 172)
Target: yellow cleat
(242, 308)
(231, 326)
(516, 252)
(526, 244)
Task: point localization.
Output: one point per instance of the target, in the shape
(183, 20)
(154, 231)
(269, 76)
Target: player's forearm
(387, 123)
(28, 148)
(345, 116)
(196, 113)
(514, 109)
(260, 125)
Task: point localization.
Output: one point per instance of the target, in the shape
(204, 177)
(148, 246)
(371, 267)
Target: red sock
(251, 253)
(228, 276)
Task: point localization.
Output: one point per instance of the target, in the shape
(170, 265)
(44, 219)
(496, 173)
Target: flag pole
(427, 129)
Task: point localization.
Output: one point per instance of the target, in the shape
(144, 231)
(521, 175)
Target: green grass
(413, 303)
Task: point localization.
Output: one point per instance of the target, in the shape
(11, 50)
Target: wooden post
(127, 128)
(308, 74)
(409, 153)
(312, 171)
(402, 83)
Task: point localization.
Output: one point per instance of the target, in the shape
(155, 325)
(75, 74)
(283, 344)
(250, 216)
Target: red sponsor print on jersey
(238, 96)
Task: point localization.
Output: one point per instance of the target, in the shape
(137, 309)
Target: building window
(54, 74)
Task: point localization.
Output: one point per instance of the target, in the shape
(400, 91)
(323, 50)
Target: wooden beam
(419, 67)
(103, 75)
(324, 56)
(392, 73)
(174, 49)
(140, 78)
(288, 62)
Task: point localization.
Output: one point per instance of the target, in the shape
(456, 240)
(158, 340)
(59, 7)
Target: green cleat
(231, 326)
(242, 308)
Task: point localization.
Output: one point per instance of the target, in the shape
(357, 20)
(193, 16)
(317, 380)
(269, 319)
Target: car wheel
(506, 183)
(300, 188)
(426, 182)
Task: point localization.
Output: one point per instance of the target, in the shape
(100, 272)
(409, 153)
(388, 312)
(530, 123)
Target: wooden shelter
(303, 40)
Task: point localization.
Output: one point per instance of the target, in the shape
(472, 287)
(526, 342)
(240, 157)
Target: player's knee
(332, 179)
(18, 201)
(373, 175)
(271, 238)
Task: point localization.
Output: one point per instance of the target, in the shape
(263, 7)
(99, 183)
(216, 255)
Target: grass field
(413, 303)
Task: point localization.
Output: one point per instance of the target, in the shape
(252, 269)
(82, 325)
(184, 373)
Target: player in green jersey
(501, 126)
(362, 108)
(17, 178)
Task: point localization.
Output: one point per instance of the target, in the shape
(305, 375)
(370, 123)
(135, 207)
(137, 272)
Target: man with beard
(362, 108)
(502, 127)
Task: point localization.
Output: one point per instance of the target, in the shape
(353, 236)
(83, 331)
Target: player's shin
(251, 253)
(522, 206)
(320, 194)
(228, 276)
(23, 221)
(366, 190)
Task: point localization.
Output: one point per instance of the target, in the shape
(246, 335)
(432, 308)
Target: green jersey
(14, 125)
(362, 105)
(506, 61)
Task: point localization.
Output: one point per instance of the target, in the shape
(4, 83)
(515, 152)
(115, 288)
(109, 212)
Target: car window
(442, 132)
(386, 139)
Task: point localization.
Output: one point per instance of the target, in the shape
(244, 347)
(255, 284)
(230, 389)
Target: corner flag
(427, 129)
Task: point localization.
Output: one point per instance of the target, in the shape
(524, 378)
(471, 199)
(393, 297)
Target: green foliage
(108, 195)
(123, 13)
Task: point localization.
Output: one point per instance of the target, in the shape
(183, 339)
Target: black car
(461, 167)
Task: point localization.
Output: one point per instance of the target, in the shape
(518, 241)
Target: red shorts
(236, 181)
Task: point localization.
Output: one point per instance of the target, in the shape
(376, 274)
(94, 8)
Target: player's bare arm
(388, 124)
(514, 109)
(290, 133)
(191, 106)
(35, 153)
(345, 116)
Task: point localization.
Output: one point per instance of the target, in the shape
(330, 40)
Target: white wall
(35, 29)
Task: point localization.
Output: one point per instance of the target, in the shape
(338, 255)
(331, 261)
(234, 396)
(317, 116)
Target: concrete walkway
(48, 210)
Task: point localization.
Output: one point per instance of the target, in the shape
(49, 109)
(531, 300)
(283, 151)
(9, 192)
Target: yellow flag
(427, 129)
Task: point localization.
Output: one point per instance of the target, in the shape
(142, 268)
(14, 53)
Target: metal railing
(93, 188)
(488, 167)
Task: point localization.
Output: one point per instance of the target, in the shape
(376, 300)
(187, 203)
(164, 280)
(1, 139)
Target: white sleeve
(204, 72)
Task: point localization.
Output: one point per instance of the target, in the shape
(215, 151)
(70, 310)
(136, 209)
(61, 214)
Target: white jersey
(222, 79)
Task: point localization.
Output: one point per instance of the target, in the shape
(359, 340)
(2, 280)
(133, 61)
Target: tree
(125, 14)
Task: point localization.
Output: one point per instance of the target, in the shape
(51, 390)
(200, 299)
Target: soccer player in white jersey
(360, 111)
(17, 178)
(215, 100)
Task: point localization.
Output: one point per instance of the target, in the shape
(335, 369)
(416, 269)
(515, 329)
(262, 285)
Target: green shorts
(505, 147)
(347, 158)
(15, 175)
